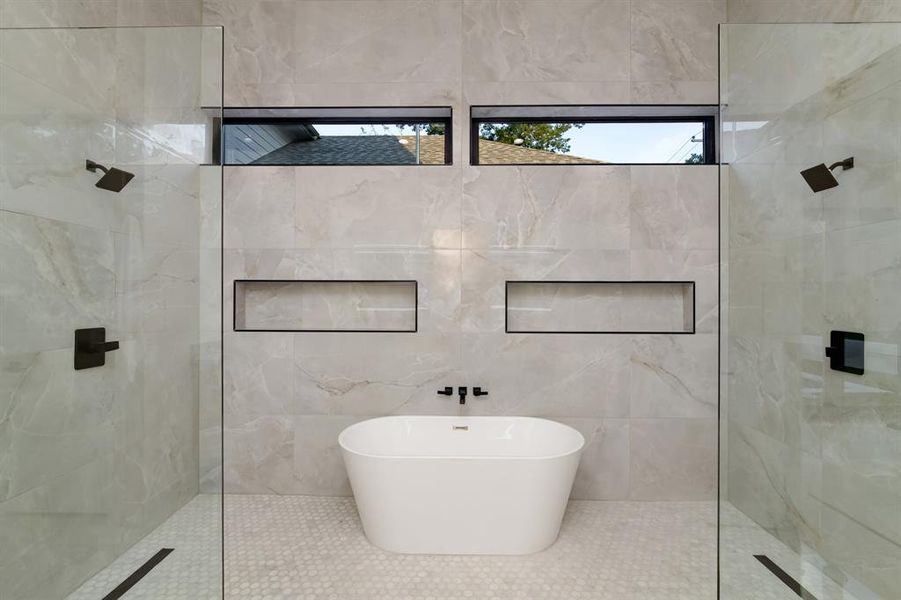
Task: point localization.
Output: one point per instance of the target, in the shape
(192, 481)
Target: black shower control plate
(91, 347)
(846, 351)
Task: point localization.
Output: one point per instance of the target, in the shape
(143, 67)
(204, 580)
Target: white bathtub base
(466, 503)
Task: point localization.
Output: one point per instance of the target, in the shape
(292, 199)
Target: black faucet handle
(477, 391)
(447, 391)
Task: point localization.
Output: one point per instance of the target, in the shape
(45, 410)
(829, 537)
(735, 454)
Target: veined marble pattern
(280, 52)
(675, 40)
(546, 207)
(460, 231)
(99, 13)
(314, 548)
(539, 42)
(338, 378)
(377, 208)
(421, 37)
(808, 11)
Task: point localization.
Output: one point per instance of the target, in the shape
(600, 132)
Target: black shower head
(113, 179)
(820, 177)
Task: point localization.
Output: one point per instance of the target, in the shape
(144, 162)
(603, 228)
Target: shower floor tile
(301, 547)
(298, 548)
(744, 578)
(191, 572)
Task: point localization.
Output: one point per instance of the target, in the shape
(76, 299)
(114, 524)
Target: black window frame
(707, 115)
(341, 115)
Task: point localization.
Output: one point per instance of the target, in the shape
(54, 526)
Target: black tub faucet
(462, 392)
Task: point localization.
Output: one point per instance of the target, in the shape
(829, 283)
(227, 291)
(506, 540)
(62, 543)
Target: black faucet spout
(462, 392)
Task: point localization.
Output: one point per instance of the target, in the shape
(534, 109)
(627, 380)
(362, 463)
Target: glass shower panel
(810, 456)
(96, 464)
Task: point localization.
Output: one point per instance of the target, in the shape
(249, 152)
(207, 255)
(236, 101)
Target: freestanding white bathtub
(461, 485)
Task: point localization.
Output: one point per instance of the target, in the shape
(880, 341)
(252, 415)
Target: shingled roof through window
(401, 150)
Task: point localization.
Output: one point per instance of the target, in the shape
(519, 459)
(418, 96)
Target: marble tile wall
(99, 13)
(289, 394)
(91, 461)
(812, 454)
(813, 11)
(647, 404)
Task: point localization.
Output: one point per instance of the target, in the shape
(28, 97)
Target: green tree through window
(539, 136)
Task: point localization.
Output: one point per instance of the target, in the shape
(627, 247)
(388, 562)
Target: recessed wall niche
(388, 306)
(600, 307)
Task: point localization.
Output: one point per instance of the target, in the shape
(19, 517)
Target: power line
(688, 141)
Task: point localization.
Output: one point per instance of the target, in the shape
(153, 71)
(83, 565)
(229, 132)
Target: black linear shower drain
(139, 574)
(784, 577)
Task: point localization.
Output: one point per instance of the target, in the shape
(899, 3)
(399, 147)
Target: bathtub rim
(345, 448)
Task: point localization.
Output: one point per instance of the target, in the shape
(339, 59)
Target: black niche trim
(691, 284)
(139, 574)
(784, 577)
(237, 282)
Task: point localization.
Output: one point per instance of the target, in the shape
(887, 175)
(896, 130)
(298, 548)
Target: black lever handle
(447, 391)
(104, 347)
(477, 391)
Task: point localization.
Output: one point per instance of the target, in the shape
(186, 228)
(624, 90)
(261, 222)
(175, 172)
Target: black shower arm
(846, 164)
(91, 166)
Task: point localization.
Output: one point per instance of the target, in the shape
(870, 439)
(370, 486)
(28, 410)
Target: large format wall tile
(260, 43)
(674, 208)
(604, 468)
(53, 275)
(673, 459)
(358, 42)
(810, 11)
(674, 376)
(258, 376)
(675, 40)
(57, 13)
(556, 376)
(461, 231)
(486, 271)
(158, 13)
(546, 207)
(259, 207)
(373, 373)
(377, 207)
(99, 13)
(287, 455)
(536, 41)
